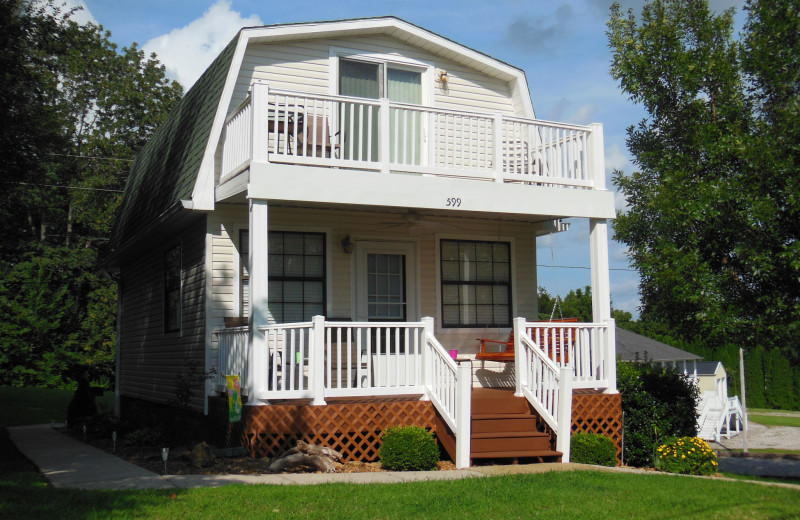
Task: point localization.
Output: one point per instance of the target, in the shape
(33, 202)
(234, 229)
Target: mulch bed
(179, 462)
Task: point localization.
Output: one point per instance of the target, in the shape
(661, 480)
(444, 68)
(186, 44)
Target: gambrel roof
(175, 169)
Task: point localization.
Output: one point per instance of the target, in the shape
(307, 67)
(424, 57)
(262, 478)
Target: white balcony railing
(346, 132)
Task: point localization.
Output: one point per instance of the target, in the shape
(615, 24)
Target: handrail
(547, 386)
(449, 387)
(583, 347)
(232, 356)
(350, 132)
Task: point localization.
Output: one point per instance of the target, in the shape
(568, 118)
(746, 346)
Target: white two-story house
(333, 210)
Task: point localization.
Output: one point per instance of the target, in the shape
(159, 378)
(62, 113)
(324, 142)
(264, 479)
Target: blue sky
(561, 45)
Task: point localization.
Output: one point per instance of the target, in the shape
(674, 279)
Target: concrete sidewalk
(68, 463)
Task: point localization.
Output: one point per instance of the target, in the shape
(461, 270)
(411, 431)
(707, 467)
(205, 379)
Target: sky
(561, 46)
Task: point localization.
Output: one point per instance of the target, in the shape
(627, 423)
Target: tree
(75, 110)
(712, 226)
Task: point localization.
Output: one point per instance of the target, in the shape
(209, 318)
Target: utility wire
(583, 267)
(97, 157)
(64, 186)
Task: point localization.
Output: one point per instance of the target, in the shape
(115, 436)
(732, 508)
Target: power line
(97, 157)
(64, 186)
(584, 267)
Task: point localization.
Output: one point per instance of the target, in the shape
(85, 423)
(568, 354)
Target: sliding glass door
(360, 122)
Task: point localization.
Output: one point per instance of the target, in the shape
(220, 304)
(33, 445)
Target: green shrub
(657, 403)
(408, 448)
(687, 455)
(592, 448)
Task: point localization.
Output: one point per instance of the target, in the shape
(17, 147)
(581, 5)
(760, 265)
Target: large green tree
(712, 224)
(75, 110)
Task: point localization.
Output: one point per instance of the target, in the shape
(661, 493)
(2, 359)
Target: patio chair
(315, 138)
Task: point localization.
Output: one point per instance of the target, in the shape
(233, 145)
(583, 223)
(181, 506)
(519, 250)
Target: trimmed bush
(592, 448)
(687, 455)
(657, 403)
(409, 448)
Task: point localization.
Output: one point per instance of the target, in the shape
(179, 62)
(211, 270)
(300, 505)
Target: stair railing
(449, 387)
(546, 386)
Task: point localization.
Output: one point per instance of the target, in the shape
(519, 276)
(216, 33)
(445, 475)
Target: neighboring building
(335, 205)
(717, 414)
(637, 348)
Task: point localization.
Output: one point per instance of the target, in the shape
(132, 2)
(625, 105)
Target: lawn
(24, 494)
(774, 420)
(21, 406)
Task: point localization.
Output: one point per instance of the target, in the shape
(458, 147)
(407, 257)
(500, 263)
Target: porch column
(601, 295)
(259, 355)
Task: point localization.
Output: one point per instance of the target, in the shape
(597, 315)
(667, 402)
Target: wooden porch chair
(315, 139)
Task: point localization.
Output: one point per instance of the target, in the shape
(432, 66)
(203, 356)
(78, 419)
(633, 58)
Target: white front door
(386, 281)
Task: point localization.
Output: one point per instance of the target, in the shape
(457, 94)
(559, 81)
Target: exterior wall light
(347, 244)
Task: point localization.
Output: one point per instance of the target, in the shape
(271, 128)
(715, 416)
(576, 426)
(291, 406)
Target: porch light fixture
(347, 244)
(164, 455)
(443, 76)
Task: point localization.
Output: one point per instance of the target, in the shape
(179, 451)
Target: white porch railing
(588, 349)
(449, 387)
(347, 132)
(233, 356)
(547, 386)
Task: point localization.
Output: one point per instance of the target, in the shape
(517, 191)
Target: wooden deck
(504, 428)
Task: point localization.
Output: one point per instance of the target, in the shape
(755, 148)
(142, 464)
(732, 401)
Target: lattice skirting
(595, 412)
(353, 428)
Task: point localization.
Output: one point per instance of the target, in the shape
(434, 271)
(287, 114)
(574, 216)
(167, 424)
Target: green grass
(567, 495)
(22, 406)
(766, 450)
(561, 495)
(774, 420)
(768, 411)
(755, 478)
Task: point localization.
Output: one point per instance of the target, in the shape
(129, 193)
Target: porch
(328, 362)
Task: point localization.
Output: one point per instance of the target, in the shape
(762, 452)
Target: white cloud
(615, 158)
(82, 16)
(585, 114)
(187, 51)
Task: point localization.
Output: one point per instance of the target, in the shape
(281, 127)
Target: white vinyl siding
(150, 360)
(303, 66)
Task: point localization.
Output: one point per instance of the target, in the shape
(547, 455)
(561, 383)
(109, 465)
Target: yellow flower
(683, 456)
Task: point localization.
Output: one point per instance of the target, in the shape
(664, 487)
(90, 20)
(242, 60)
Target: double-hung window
(172, 289)
(296, 286)
(476, 283)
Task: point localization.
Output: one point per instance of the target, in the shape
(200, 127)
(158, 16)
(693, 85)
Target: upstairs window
(476, 283)
(172, 289)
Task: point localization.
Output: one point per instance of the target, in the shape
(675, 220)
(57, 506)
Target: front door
(386, 292)
(385, 281)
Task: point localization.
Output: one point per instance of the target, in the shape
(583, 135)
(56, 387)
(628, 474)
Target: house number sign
(453, 202)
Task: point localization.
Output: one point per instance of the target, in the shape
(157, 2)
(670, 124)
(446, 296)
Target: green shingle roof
(165, 170)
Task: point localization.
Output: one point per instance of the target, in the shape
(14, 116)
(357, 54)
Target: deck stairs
(503, 428)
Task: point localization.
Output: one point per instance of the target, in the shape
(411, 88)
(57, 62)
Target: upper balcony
(377, 135)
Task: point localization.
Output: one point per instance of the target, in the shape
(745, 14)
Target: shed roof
(708, 368)
(635, 347)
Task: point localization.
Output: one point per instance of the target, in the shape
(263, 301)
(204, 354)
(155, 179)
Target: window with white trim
(475, 283)
(172, 289)
(296, 283)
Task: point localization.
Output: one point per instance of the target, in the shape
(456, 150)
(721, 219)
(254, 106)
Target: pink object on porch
(453, 353)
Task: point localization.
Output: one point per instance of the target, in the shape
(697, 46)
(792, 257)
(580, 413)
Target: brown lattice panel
(596, 412)
(352, 427)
